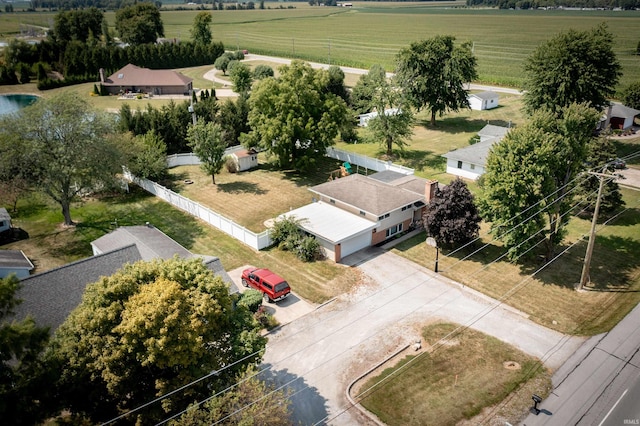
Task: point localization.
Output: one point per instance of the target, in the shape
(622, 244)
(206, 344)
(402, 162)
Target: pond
(13, 103)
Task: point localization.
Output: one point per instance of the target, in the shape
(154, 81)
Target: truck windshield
(282, 286)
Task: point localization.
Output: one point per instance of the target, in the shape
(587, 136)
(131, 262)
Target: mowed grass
(454, 379)
(452, 131)
(546, 292)
(50, 245)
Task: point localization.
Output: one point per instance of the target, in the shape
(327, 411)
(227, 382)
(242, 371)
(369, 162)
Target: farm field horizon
(374, 32)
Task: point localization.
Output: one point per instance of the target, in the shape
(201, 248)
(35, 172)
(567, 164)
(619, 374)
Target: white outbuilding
(483, 100)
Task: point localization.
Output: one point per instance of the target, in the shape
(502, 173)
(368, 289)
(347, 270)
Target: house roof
(131, 75)
(330, 223)
(14, 259)
(49, 297)
(473, 154)
(492, 131)
(151, 242)
(485, 96)
(371, 195)
(619, 110)
(241, 153)
(4, 214)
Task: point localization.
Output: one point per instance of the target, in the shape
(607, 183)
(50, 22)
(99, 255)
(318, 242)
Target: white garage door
(354, 244)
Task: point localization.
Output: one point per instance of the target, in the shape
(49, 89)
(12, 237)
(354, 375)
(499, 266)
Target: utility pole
(587, 258)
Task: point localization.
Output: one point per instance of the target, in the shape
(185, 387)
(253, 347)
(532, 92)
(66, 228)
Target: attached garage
(341, 233)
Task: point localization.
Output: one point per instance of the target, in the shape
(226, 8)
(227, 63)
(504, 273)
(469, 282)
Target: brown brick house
(134, 79)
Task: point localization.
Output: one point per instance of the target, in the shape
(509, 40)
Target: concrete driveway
(631, 177)
(285, 311)
(316, 356)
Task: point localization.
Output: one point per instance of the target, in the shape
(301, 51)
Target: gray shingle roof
(49, 297)
(492, 131)
(131, 75)
(370, 195)
(151, 242)
(619, 110)
(485, 96)
(474, 154)
(14, 259)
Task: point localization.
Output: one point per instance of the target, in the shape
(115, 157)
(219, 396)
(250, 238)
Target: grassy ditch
(454, 379)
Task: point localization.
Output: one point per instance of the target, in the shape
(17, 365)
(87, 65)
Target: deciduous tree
(433, 73)
(69, 146)
(207, 143)
(572, 67)
(393, 124)
(147, 330)
(526, 188)
(631, 95)
(139, 24)
(241, 77)
(294, 117)
(201, 30)
(451, 217)
(21, 372)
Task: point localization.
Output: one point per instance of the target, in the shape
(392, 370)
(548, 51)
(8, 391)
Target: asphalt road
(600, 384)
(316, 356)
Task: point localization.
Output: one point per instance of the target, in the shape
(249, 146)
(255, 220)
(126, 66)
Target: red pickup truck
(272, 286)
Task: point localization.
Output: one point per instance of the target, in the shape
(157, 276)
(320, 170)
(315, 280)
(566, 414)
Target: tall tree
(241, 77)
(433, 73)
(631, 95)
(207, 143)
(77, 25)
(139, 24)
(572, 67)
(363, 91)
(533, 168)
(201, 30)
(600, 152)
(336, 83)
(146, 155)
(21, 375)
(294, 117)
(451, 217)
(70, 146)
(393, 124)
(149, 329)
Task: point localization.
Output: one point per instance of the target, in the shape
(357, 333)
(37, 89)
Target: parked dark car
(618, 163)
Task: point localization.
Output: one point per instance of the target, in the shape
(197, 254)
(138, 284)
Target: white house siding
(465, 171)
(329, 248)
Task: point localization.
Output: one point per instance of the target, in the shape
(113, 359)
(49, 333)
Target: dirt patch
(511, 365)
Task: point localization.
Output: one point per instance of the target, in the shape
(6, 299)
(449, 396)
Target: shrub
(309, 249)
(251, 299)
(265, 319)
(230, 164)
(283, 228)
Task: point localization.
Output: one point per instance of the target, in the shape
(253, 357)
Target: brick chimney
(101, 75)
(431, 186)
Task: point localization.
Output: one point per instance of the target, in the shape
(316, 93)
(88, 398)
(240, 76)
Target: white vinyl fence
(367, 162)
(256, 241)
(240, 233)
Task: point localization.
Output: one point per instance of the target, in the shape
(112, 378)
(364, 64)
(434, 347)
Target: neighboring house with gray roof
(469, 162)
(5, 220)
(135, 79)
(15, 262)
(483, 100)
(50, 296)
(621, 117)
(358, 211)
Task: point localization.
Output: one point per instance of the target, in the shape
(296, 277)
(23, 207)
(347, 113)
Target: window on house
(394, 230)
(386, 215)
(473, 167)
(1, 222)
(459, 164)
(332, 201)
(362, 213)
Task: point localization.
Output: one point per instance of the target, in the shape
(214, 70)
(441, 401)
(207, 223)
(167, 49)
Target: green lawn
(454, 379)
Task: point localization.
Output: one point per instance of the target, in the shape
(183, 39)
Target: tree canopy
(21, 342)
(433, 73)
(451, 217)
(208, 144)
(139, 23)
(69, 147)
(147, 330)
(78, 25)
(527, 187)
(201, 30)
(572, 67)
(241, 77)
(631, 95)
(393, 124)
(294, 116)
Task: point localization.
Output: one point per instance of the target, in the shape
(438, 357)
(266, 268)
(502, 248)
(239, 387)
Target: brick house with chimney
(134, 79)
(357, 211)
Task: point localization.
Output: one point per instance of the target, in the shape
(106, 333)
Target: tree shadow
(319, 173)
(241, 188)
(626, 149)
(308, 407)
(174, 181)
